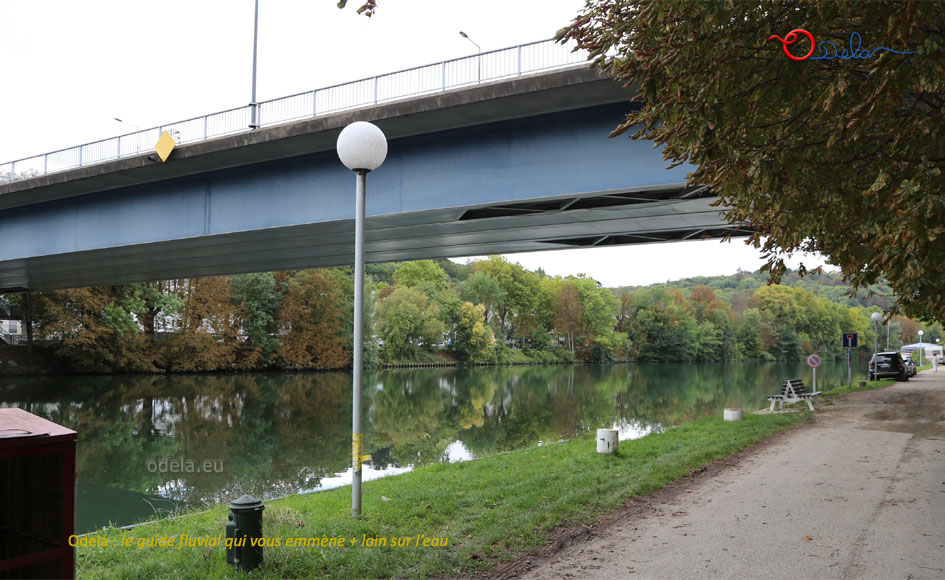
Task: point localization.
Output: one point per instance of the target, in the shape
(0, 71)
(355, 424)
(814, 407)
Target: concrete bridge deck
(521, 164)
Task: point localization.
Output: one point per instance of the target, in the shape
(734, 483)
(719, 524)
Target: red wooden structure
(37, 497)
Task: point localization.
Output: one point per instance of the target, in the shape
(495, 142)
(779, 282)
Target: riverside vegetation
(488, 511)
(486, 311)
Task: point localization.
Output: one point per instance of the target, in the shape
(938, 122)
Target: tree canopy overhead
(841, 155)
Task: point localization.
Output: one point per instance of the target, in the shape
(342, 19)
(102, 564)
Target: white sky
(71, 67)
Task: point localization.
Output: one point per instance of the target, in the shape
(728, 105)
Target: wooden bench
(792, 391)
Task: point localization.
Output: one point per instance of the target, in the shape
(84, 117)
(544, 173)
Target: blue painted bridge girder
(528, 182)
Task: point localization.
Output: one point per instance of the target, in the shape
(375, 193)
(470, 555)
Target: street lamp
(137, 128)
(137, 136)
(362, 148)
(875, 317)
(921, 347)
(478, 57)
(254, 106)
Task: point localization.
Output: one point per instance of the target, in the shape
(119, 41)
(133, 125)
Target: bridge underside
(519, 166)
(661, 214)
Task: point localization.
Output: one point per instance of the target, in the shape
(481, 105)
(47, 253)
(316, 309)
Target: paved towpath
(858, 493)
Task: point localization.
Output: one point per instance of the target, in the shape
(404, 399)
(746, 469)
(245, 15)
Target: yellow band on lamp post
(356, 456)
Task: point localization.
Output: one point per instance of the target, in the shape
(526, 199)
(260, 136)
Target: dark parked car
(911, 370)
(888, 365)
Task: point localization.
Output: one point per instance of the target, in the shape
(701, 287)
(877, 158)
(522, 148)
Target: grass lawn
(484, 511)
(870, 385)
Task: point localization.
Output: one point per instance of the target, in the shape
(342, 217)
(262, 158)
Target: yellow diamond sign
(164, 146)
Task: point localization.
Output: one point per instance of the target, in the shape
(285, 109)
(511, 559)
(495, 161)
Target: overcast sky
(72, 67)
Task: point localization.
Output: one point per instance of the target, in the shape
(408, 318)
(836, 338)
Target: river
(153, 444)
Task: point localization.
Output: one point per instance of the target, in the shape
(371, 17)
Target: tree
(258, 300)
(587, 314)
(147, 301)
(419, 272)
(520, 286)
(406, 320)
(481, 288)
(661, 327)
(474, 339)
(207, 330)
(841, 156)
(569, 313)
(599, 304)
(748, 346)
(93, 330)
(311, 321)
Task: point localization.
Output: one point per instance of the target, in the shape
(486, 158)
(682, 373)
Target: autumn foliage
(841, 154)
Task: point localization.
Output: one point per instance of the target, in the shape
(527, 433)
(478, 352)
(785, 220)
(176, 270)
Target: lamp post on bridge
(137, 128)
(137, 135)
(362, 148)
(478, 56)
(253, 105)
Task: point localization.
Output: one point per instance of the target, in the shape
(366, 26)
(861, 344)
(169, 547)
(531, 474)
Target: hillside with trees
(486, 311)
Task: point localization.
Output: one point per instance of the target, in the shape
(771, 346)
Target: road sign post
(849, 340)
(814, 361)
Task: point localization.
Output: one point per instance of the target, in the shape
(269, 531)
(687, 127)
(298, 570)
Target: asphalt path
(859, 492)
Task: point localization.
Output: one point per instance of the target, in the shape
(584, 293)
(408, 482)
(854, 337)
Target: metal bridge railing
(438, 77)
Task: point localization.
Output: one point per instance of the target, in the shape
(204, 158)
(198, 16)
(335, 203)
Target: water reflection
(627, 430)
(368, 473)
(189, 439)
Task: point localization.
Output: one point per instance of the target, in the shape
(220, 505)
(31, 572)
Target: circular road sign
(813, 360)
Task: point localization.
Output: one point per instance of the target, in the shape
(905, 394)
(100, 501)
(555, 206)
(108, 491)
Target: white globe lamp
(362, 146)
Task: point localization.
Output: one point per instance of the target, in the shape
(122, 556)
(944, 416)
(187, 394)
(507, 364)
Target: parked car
(885, 365)
(910, 366)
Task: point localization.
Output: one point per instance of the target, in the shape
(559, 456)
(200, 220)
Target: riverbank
(43, 360)
(855, 493)
(478, 514)
(21, 361)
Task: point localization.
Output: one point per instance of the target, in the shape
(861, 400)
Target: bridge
(501, 163)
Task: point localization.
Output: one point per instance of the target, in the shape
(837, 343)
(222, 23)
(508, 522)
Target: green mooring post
(244, 533)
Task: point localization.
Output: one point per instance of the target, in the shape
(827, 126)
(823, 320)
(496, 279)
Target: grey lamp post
(137, 128)
(875, 317)
(478, 57)
(254, 106)
(921, 332)
(362, 148)
(137, 137)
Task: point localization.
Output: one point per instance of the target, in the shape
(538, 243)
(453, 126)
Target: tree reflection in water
(274, 434)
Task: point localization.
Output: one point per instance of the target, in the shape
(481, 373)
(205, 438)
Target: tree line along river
(150, 444)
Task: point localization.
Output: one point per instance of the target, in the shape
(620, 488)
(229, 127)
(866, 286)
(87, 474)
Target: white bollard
(732, 414)
(607, 441)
